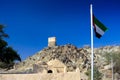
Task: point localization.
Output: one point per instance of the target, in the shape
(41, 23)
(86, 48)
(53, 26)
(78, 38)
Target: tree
(7, 54)
(115, 56)
(96, 73)
(2, 33)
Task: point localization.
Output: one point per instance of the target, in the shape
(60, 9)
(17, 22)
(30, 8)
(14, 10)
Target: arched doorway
(50, 71)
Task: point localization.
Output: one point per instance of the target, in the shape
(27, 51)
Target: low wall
(39, 76)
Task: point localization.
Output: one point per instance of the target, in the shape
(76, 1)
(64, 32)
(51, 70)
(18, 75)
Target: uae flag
(99, 28)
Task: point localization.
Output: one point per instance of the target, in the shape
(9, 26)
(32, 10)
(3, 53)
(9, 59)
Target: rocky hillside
(70, 55)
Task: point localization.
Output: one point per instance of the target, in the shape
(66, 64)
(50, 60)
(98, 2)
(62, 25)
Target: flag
(99, 28)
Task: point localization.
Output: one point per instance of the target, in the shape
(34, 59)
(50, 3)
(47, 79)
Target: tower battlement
(51, 41)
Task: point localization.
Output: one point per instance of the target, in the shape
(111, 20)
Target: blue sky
(29, 23)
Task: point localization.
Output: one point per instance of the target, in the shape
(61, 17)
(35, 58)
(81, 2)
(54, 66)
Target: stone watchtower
(51, 41)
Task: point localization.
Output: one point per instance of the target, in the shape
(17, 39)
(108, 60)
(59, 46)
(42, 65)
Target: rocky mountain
(70, 55)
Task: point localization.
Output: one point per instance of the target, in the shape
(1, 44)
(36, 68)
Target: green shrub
(96, 73)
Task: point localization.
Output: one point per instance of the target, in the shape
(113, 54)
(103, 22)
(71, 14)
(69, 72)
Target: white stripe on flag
(98, 30)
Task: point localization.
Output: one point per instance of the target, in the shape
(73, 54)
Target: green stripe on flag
(99, 24)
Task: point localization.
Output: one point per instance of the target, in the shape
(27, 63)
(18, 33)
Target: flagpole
(92, 63)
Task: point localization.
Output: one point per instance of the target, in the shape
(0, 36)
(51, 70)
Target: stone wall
(39, 76)
(51, 41)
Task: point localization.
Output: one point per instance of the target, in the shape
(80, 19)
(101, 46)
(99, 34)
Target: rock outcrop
(70, 55)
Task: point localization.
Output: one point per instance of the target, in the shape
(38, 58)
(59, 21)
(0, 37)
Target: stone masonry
(51, 41)
(38, 76)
